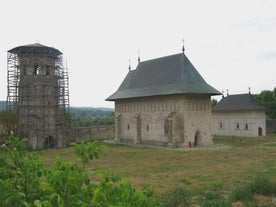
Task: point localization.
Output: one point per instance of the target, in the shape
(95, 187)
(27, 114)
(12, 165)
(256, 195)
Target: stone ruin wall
(91, 133)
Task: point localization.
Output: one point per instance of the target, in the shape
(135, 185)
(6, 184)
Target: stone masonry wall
(176, 120)
(91, 133)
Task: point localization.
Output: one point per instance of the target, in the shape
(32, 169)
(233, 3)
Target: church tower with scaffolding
(39, 93)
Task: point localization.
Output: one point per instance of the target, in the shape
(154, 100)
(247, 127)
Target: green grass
(210, 173)
(269, 141)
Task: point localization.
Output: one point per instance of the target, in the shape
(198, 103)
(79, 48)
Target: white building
(239, 115)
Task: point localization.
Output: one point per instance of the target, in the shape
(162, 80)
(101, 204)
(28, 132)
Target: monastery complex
(164, 102)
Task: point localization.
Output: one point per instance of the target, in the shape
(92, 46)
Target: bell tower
(38, 91)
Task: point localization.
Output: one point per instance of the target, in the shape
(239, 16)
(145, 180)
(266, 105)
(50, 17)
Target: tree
(214, 102)
(267, 98)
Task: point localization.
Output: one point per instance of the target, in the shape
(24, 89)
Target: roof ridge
(155, 59)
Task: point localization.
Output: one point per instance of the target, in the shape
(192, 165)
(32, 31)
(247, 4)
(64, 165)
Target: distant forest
(89, 116)
(85, 116)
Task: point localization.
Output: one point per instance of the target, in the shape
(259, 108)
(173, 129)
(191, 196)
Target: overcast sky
(231, 43)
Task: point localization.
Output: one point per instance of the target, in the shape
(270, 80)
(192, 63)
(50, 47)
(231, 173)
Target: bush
(24, 181)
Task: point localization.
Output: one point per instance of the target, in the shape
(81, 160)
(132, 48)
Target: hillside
(90, 111)
(85, 116)
(90, 116)
(79, 111)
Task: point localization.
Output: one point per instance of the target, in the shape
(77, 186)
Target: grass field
(196, 169)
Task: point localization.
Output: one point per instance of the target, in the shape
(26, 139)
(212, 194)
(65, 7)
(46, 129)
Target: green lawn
(196, 170)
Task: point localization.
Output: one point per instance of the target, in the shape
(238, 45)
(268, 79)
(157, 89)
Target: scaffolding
(38, 92)
(13, 81)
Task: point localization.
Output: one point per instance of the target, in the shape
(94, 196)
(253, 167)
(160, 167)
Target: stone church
(165, 102)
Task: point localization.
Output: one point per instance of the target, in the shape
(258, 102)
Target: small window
(128, 127)
(24, 70)
(47, 70)
(147, 127)
(220, 125)
(237, 125)
(246, 126)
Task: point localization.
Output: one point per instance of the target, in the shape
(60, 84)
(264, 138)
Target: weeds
(260, 186)
(263, 186)
(178, 196)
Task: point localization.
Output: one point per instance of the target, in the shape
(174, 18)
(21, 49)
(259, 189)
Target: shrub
(24, 181)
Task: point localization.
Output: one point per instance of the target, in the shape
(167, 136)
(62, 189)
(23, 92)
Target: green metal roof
(169, 75)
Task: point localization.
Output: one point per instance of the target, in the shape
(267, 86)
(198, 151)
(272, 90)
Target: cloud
(266, 56)
(261, 24)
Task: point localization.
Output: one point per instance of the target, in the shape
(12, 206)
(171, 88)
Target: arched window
(36, 69)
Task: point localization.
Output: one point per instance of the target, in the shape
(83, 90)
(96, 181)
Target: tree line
(87, 116)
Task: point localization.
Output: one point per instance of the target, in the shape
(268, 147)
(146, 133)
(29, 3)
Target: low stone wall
(270, 126)
(92, 133)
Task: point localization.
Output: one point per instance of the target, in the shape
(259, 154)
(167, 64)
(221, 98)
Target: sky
(231, 43)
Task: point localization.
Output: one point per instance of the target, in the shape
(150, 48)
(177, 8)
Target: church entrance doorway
(197, 138)
(260, 131)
